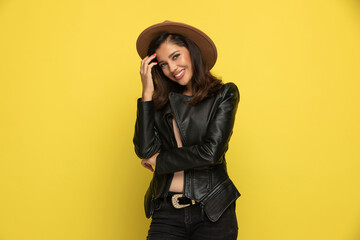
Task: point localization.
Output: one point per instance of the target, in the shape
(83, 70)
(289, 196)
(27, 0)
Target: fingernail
(154, 54)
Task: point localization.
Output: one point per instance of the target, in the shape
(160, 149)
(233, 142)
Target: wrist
(146, 96)
(155, 160)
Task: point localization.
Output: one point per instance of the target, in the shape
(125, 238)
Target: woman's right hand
(146, 77)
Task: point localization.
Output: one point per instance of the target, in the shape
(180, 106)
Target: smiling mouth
(180, 74)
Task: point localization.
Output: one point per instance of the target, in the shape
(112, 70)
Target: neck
(188, 93)
(188, 90)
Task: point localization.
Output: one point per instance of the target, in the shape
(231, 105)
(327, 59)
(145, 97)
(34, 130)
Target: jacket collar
(178, 103)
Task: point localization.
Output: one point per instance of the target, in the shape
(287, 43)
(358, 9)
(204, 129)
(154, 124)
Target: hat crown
(204, 43)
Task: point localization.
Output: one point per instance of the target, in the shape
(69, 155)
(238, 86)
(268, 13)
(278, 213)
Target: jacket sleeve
(215, 143)
(146, 140)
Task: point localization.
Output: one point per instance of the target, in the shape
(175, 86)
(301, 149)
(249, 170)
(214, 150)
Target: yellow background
(69, 81)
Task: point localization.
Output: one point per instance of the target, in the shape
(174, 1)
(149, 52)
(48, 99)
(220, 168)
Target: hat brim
(205, 44)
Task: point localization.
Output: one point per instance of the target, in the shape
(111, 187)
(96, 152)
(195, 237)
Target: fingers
(146, 65)
(146, 165)
(149, 167)
(146, 77)
(151, 65)
(149, 163)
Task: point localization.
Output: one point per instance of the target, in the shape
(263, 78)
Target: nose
(172, 67)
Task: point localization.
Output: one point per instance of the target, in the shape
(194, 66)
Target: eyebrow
(171, 55)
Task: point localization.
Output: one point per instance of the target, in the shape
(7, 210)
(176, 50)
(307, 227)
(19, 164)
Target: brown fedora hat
(205, 44)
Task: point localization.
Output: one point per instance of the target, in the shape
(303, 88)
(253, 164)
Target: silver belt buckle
(175, 201)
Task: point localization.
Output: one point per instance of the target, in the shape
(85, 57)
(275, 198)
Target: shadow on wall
(356, 4)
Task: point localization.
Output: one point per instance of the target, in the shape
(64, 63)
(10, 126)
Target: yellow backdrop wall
(69, 81)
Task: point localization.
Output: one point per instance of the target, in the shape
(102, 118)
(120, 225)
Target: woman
(184, 123)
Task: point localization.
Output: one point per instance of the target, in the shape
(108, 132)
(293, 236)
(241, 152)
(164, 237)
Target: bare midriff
(177, 183)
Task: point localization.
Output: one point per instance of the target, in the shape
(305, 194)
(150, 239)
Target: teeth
(177, 75)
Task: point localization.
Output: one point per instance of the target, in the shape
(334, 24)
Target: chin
(184, 82)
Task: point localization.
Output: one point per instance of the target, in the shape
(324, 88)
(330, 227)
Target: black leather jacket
(205, 130)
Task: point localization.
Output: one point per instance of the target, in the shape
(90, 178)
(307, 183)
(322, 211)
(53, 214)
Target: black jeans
(169, 223)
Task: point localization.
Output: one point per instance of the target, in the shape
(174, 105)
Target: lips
(179, 74)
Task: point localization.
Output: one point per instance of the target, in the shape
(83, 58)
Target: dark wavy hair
(204, 84)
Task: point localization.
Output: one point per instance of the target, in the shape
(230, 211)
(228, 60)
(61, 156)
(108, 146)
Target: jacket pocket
(219, 199)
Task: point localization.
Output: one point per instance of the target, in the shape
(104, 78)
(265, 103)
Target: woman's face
(175, 62)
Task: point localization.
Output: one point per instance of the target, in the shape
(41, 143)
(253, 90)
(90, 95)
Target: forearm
(187, 158)
(145, 140)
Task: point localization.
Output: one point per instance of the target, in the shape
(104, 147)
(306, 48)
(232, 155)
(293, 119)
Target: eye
(162, 65)
(176, 56)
